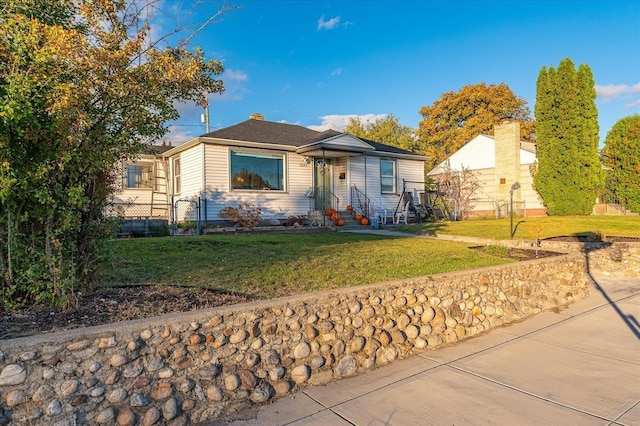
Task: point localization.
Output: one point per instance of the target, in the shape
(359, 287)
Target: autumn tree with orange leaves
(458, 117)
(82, 86)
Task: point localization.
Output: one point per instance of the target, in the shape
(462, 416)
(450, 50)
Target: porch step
(318, 217)
(349, 220)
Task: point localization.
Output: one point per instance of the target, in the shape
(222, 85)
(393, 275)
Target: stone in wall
(199, 366)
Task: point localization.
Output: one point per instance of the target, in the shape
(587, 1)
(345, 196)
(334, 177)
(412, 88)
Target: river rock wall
(197, 366)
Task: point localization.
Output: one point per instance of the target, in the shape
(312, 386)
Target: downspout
(348, 171)
(164, 160)
(168, 174)
(365, 183)
(203, 192)
(324, 189)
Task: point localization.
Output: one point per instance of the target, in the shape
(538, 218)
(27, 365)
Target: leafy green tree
(82, 86)
(245, 179)
(622, 158)
(457, 117)
(385, 130)
(568, 174)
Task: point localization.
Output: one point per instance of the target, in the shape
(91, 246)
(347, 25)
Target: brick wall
(507, 156)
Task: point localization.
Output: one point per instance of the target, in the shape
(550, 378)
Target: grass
(273, 265)
(530, 228)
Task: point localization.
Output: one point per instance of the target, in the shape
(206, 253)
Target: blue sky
(316, 63)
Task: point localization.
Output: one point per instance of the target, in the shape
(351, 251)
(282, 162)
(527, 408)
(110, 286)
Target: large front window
(388, 176)
(257, 171)
(138, 176)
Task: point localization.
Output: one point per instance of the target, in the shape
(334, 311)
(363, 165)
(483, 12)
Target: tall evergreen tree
(569, 175)
(622, 157)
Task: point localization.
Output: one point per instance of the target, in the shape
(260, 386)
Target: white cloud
(188, 125)
(234, 86)
(338, 122)
(297, 123)
(235, 75)
(327, 25)
(608, 92)
(337, 71)
(177, 135)
(632, 104)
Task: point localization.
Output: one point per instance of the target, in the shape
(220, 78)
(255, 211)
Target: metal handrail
(324, 194)
(360, 201)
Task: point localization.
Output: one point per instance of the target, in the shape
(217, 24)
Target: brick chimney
(507, 155)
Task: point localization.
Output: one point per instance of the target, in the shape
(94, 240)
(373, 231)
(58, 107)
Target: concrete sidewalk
(578, 366)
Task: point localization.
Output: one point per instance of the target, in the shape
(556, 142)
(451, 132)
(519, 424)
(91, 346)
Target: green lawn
(272, 265)
(528, 228)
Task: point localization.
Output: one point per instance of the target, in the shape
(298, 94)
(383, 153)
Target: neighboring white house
(498, 162)
(285, 169)
(143, 188)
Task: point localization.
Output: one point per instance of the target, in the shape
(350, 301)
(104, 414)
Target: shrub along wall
(201, 365)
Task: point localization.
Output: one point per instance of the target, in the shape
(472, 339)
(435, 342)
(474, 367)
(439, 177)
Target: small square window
(138, 176)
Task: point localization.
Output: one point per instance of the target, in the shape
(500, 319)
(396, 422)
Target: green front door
(322, 183)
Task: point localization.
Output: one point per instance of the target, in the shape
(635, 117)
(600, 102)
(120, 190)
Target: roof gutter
(248, 144)
(226, 142)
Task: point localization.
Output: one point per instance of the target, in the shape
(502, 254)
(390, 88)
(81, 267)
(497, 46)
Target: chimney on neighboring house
(507, 155)
(256, 116)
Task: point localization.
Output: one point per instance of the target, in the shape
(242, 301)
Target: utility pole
(204, 118)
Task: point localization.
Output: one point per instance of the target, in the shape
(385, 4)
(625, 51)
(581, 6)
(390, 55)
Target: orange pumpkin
(335, 217)
(340, 222)
(349, 207)
(364, 221)
(358, 216)
(330, 211)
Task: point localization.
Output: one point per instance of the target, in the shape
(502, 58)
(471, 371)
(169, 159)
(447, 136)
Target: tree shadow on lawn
(427, 228)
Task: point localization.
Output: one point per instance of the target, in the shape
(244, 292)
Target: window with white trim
(138, 176)
(257, 171)
(177, 179)
(387, 176)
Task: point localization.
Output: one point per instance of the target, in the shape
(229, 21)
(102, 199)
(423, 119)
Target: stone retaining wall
(617, 259)
(620, 259)
(188, 368)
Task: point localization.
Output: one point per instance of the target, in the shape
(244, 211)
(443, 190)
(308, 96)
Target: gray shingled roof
(157, 149)
(285, 134)
(386, 148)
(154, 150)
(266, 132)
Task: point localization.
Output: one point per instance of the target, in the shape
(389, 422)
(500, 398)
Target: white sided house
(286, 170)
(498, 162)
(142, 184)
